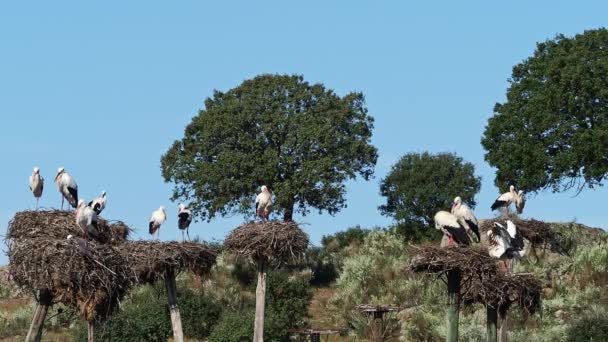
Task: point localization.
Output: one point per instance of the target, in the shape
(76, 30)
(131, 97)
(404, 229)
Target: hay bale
(91, 277)
(58, 224)
(150, 260)
(274, 241)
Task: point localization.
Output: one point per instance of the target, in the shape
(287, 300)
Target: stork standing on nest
(263, 203)
(99, 204)
(86, 219)
(449, 225)
(184, 218)
(36, 184)
(505, 200)
(156, 220)
(520, 201)
(505, 243)
(465, 217)
(67, 187)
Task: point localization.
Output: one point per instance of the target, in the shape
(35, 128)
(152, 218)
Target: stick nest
(150, 260)
(275, 241)
(92, 276)
(482, 282)
(537, 232)
(58, 224)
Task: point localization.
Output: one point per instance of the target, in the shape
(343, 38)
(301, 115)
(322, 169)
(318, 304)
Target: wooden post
(90, 332)
(176, 320)
(378, 327)
(502, 332)
(45, 300)
(491, 320)
(260, 299)
(454, 304)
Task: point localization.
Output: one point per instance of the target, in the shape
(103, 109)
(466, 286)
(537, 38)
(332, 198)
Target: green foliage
(300, 139)
(234, 327)
(592, 262)
(343, 239)
(591, 326)
(16, 322)
(322, 266)
(552, 131)
(420, 184)
(145, 317)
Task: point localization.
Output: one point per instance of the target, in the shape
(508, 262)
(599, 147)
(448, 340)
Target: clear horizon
(104, 90)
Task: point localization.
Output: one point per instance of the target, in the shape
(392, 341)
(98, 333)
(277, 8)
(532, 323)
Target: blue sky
(104, 88)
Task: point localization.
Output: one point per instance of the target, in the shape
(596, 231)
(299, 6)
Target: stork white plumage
(520, 201)
(36, 185)
(67, 187)
(86, 219)
(505, 200)
(263, 203)
(466, 217)
(99, 204)
(184, 218)
(449, 225)
(156, 220)
(505, 242)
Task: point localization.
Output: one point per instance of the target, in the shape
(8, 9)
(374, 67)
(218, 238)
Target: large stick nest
(150, 260)
(482, 281)
(58, 224)
(91, 277)
(539, 233)
(275, 241)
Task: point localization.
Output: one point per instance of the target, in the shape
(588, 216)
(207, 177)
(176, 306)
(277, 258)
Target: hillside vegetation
(350, 268)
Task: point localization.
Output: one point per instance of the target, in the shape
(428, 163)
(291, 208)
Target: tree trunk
(454, 305)
(491, 320)
(176, 321)
(35, 331)
(260, 298)
(502, 332)
(90, 332)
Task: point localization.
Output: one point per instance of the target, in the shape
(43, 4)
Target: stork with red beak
(449, 225)
(67, 187)
(263, 203)
(466, 217)
(36, 185)
(505, 200)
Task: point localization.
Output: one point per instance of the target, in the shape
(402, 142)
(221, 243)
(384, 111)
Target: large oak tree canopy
(552, 132)
(301, 140)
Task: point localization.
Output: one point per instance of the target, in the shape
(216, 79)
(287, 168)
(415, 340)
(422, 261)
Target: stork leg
(62, 199)
(37, 200)
(451, 240)
(188, 233)
(182, 236)
(507, 211)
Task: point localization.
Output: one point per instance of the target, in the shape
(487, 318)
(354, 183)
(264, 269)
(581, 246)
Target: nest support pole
(454, 278)
(260, 299)
(502, 332)
(90, 331)
(45, 300)
(176, 320)
(491, 322)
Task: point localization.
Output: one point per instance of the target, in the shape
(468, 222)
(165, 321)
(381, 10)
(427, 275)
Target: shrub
(233, 326)
(591, 326)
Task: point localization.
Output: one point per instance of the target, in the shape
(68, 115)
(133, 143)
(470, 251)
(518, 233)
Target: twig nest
(535, 231)
(91, 277)
(274, 241)
(482, 282)
(150, 260)
(58, 224)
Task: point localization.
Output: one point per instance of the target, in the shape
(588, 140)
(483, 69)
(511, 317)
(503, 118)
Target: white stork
(67, 187)
(505, 200)
(99, 204)
(449, 225)
(156, 220)
(36, 184)
(505, 243)
(466, 217)
(520, 201)
(184, 218)
(86, 219)
(263, 203)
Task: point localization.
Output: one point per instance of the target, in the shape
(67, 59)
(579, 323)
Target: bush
(592, 326)
(233, 326)
(199, 313)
